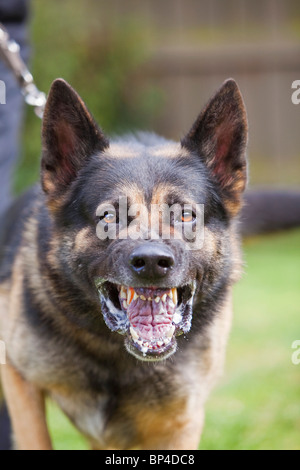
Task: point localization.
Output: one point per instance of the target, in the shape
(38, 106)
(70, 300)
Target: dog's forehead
(150, 173)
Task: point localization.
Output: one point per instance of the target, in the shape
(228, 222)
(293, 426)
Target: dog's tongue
(150, 313)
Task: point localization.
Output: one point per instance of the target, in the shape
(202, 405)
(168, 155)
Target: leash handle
(10, 54)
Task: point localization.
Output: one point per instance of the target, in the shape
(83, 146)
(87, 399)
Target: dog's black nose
(152, 260)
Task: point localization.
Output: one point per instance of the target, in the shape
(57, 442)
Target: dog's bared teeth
(130, 295)
(174, 296)
(134, 334)
(123, 293)
(125, 305)
(170, 332)
(161, 310)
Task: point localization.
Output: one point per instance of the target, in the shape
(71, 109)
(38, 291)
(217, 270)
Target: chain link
(10, 54)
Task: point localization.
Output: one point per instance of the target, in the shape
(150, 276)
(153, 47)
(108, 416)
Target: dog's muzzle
(150, 318)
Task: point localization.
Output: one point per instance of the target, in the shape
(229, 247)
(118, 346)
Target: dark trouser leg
(11, 118)
(5, 429)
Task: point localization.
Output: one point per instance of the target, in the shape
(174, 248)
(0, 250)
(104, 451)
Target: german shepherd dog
(127, 334)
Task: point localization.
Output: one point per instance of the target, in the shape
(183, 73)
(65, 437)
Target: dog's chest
(123, 410)
(123, 421)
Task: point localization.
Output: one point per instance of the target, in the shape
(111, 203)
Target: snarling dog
(123, 326)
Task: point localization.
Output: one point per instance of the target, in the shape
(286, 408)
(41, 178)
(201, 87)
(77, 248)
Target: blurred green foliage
(101, 56)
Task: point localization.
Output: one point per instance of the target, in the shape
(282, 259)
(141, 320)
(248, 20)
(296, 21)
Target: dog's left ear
(70, 137)
(219, 137)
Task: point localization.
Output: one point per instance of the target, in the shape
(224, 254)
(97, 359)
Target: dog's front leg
(26, 406)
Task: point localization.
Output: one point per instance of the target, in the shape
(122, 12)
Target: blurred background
(153, 64)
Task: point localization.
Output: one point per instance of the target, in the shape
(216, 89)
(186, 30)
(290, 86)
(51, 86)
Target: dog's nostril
(165, 263)
(138, 263)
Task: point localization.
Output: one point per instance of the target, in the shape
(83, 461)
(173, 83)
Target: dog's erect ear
(70, 137)
(219, 137)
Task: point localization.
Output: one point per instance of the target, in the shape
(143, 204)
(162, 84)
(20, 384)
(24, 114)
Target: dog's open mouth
(151, 318)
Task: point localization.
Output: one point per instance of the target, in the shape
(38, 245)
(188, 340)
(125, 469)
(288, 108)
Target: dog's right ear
(70, 137)
(219, 137)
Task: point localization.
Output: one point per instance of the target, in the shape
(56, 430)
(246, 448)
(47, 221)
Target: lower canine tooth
(170, 332)
(134, 334)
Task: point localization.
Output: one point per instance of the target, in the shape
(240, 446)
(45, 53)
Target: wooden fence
(196, 44)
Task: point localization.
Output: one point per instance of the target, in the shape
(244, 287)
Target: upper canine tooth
(175, 295)
(130, 295)
(123, 293)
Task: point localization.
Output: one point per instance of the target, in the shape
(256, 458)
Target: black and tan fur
(57, 342)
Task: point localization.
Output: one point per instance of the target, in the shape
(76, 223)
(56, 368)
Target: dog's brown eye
(187, 216)
(109, 218)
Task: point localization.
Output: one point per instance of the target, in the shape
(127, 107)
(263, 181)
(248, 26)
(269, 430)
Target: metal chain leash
(10, 54)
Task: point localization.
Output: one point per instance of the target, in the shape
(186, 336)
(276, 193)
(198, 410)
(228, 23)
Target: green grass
(256, 405)
(63, 433)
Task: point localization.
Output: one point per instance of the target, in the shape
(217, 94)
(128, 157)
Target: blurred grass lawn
(256, 405)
